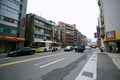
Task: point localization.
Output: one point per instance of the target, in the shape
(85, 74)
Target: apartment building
(39, 29)
(12, 24)
(109, 23)
(67, 33)
(77, 37)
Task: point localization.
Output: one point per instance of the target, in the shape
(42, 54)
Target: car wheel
(14, 55)
(45, 50)
(32, 52)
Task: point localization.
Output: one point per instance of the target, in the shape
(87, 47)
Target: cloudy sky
(83, 13)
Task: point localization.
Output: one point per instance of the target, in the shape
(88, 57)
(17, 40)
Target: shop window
(1, 29)
(20, 7)
(13, 31)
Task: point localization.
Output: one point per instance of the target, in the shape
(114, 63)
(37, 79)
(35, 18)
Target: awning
(21, 39)
(9, 38)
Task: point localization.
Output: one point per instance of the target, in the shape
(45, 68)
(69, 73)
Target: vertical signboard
(53, 33)
(23, 22)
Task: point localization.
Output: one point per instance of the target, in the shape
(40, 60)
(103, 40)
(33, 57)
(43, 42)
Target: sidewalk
(3, 55)
(115, 58)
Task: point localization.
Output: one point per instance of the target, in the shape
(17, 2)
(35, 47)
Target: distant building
(77, 36)
(67, 33)
(12, 24)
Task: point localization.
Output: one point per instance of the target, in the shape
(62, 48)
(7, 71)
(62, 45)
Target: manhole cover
(88, 74)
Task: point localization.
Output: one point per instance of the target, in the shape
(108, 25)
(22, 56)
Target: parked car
(75, 47)
(68, 48)
(88, 47)
(80, 48)
(22, 51)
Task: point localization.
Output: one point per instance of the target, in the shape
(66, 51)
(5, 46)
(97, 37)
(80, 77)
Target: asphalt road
(60, 65)
(55, 66)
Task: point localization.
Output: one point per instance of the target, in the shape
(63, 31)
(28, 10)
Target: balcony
(38, 32)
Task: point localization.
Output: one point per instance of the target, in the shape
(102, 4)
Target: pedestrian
(111, 48)
(102, 49)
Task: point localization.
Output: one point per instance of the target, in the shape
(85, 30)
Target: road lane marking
(89, 71)
(51, 63)
(16, 62)
(37, 64)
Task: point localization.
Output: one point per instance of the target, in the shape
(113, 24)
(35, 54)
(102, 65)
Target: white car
(68, 48)
(88, 47)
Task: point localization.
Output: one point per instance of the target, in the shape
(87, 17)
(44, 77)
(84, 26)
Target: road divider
(89, 71)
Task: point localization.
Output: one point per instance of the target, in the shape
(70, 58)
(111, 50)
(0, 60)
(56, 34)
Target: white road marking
(51, 63)
(37, 64)
(90, 68)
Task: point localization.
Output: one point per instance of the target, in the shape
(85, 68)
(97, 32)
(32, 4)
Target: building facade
(40, 29)
(77, 37)
(109, 24)
(67, 34)
(12, 24)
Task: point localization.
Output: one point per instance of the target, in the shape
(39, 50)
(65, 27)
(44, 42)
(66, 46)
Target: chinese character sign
(96, 35)
(110, 35)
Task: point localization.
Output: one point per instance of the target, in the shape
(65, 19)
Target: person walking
(111, 48)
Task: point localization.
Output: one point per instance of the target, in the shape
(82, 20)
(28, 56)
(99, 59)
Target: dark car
(22, 51)
(80, 48)
(68, 48)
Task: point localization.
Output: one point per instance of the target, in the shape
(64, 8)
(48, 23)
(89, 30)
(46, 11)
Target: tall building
(12, 24)
(109, 23)
(67, 34)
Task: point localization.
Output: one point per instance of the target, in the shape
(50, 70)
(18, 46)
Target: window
(1, 29)
(8, 9)
(9, 20)
(42, 44)
(13, 31)
(8, 30)
(1, 18)
(16, 2)
(20, 7)
(21, 0)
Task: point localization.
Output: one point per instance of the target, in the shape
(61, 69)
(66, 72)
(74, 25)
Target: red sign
(23, 22)
(110, 35)
(53, 33)
(96, 35)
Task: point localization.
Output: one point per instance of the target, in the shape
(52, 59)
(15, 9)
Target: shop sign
(96, 35)
(111, 35)
(118, 34)
(23, 22)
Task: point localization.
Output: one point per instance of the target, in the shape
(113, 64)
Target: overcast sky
(83, 13)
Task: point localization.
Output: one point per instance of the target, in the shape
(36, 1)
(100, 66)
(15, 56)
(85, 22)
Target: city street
(89, 65)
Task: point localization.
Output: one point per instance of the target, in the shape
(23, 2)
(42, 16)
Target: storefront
(112, 41)
(8, 43)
